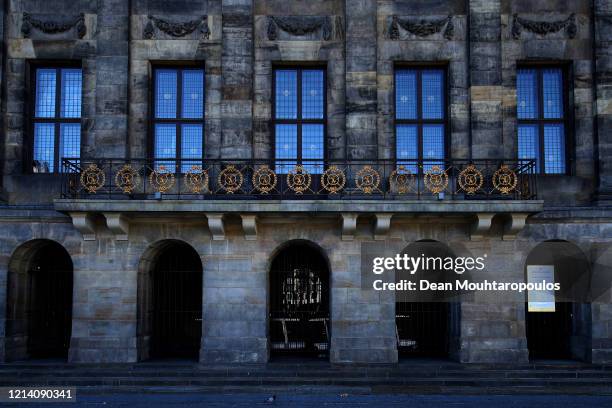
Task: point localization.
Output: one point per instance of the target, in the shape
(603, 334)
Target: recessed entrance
(170, 321)
(423, 329)
(39, 315)
(299, 302)
(563, 333)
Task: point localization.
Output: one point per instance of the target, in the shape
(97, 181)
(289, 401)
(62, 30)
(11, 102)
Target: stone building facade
(113, 242)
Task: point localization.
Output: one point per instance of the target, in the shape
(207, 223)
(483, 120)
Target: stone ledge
(300, 206)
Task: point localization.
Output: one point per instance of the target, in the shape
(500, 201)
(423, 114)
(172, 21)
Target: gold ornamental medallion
(299, 179)
(367, 179)
(93, 178)
(470, 179)
(505, 180)
(333, 179)
(230, 179)
(264, 179)
(127, 178)
(436, 179)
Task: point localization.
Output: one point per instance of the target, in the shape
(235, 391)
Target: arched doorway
(559, 329)
(426, 328)
(299, 302)
(170, 304)
(39, 301)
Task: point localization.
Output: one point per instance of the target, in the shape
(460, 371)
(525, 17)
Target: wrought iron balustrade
(140, 179)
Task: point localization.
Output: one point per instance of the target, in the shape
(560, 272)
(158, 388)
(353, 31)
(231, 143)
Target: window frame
(299, 121)
(178, 121)
(56, 120)
(566, 120)
(419, 122)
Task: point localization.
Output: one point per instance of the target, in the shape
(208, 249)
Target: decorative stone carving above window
(53, 27)
(544, 27)
(422, 28)
(176, 29)
(300, 26)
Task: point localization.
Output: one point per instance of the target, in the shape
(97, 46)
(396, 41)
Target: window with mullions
(56, 117)
(420, 117)
(178, 119)
(541, 118)
(299, 118)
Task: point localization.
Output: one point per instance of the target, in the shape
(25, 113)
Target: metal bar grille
(299, 302)
(177, 303)
(278, 179)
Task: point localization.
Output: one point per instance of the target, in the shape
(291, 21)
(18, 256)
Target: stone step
(6, 374)
(118, 380)
(315, 374)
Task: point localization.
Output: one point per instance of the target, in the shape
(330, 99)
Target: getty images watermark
(434, 272)
(459, 265)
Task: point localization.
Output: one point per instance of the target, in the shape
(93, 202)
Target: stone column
(603, 89)
(237, 79)
(361, 96)
(109, 138)
(486, 79)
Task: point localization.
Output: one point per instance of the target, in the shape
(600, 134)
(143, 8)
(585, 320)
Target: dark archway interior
(50, 309)
(560, 334)
(423, 328)
(299, 302)
(176, 313)
(39, 322)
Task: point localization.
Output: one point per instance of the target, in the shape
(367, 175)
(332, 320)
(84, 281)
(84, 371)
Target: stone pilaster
(234, 309)
(109, 138)
(237, 79)
(603, 89)
(104, 305)
(3, 104)
(363, 321)
(361, 96)
(485, 79)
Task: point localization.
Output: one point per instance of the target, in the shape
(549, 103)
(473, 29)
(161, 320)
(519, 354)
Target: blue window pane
(433, 94)
(528, 144)
(165, 93)
(71, 93)
(312, 94)
(313, 148)
(70, 140)
(552, 81)
(286, 147)
(44, 147)
(406, 94)
(527, 94)
(191, 146)
(286, 94)
(165, 144)
(193, 94)
(433, 146)
(45, 93)
(406, 146)
(554, 149)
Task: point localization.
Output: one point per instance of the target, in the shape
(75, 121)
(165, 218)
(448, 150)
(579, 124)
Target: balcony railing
(144, 179)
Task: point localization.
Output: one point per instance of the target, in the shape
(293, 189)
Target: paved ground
(334, 400)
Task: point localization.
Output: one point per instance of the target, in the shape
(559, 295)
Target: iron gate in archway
(49, 313)
(422, 329)
(299, 302)
(177, 303)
